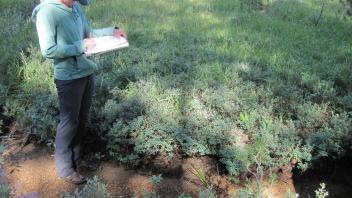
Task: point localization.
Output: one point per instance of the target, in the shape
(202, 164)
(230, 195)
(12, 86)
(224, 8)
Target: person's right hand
(119, 33)
(89, 43)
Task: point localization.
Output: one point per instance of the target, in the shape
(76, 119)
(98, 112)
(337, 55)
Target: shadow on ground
(336, 174)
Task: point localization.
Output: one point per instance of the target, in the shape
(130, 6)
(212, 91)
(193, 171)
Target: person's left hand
(119, 33)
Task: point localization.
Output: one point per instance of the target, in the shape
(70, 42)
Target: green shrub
(1, 152)
(25, 73)
(273, 144)
(258, 4)
(17, 36)
(36, 73)
(4, 91)
(333, 138)
(146, 137)
(224, 5)
(246, 192)
(235, 160)
(184, 196)
(4, 191)
(292, 11)
(93, 188)
(321, 192)
(41, 118)
(207, 193)
(36, 115)
(3, 97)
(145, 126)
(1, 127)
(311, 116)
(35, 106)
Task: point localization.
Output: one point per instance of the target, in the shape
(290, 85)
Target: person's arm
(47, 39)
(109, 31)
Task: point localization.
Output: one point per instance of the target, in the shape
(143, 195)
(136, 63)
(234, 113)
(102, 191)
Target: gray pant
(75, 97)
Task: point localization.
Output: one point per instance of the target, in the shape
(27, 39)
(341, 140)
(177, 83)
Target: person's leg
(70, 94)
(83, 116)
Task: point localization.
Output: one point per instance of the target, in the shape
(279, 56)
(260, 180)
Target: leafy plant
(331, 139)
(4, 191)
(1, 151)
(1, 126)
(290, 194)
(246, 192)
(19, 35)
(207, 193)
(258, 4)
(155, 179)
(93, 188)
(184, 196)
(321, 192)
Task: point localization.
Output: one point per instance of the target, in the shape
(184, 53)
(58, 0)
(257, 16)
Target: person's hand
(89, 43)
(119, 33)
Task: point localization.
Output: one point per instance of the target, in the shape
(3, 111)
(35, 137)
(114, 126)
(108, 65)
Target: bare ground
(30, 172)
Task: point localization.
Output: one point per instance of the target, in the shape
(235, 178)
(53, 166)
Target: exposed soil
(33, 173)
(30, 172)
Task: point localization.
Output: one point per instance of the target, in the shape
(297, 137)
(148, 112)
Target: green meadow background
(251, 83)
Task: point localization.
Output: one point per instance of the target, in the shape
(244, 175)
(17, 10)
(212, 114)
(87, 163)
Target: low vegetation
(258, 85)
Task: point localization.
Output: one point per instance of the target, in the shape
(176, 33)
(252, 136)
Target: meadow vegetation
(258, 85)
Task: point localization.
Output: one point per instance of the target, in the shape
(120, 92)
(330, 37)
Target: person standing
(64, 34)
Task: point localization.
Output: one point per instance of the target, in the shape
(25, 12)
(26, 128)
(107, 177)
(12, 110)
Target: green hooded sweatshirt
(61, 31)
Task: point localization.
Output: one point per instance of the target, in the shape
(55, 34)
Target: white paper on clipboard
(106, 44)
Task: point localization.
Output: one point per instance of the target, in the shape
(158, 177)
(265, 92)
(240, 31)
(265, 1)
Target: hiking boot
(75, 178)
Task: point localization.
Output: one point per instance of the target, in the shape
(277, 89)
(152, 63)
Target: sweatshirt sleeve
(46, 29)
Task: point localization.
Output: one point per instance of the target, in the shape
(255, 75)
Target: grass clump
(16, 37)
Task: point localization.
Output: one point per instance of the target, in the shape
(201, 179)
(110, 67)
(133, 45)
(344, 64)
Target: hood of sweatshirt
(54, 3)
